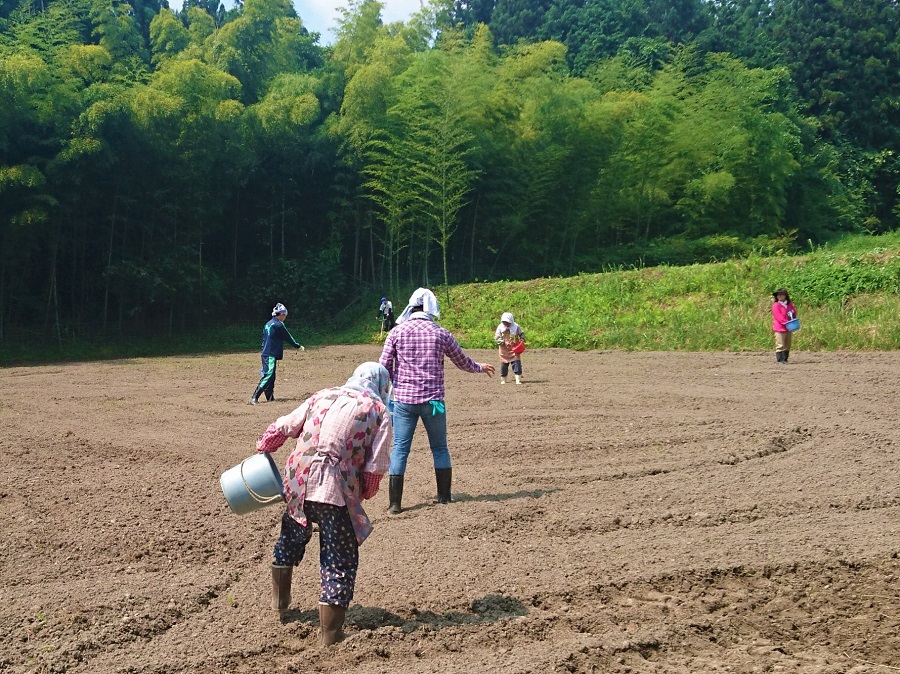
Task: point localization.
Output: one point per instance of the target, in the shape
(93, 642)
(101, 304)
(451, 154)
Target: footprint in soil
(524, 493)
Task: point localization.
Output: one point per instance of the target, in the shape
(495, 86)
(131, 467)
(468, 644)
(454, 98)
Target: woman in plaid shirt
(341, 455)
(414, 356)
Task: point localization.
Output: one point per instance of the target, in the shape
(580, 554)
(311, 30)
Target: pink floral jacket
(343, 443)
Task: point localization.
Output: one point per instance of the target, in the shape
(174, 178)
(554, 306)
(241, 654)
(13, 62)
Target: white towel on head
(513, 327)
(424, 298)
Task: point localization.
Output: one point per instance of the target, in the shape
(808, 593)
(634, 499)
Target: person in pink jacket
(342, 452)
(782, 311)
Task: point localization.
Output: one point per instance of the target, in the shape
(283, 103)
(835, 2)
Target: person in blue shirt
(274, 337)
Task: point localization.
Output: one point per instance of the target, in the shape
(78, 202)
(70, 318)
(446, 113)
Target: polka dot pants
(338, 549)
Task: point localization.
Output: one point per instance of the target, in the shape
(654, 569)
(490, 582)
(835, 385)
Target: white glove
(302, 348)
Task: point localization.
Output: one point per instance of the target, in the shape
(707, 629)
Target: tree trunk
(200, 269)
(472, 240)
(52, 297)
(56, 303)
(2, 299)
(357, 271)
(393, 282)
(446, 282)
(371, 247)
(272, 231)
(112, 230)
(122, 298)
(234, 257)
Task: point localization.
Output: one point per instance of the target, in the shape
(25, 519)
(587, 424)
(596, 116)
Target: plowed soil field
(617, 512)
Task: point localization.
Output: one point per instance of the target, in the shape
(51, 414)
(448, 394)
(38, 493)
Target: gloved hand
(369, 486)
(302, 348)
(271, 440)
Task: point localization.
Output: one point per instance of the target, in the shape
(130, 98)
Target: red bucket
(518, 348)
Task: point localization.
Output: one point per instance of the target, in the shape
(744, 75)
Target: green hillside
(847, 296)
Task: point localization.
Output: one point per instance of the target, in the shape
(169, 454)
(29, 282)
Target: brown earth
(618, 512)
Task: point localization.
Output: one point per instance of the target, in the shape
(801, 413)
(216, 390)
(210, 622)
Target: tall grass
(847, 296)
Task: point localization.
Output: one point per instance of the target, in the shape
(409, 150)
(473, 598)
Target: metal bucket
(252, 484)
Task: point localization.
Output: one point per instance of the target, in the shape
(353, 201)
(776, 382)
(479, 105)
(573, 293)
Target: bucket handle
(256, 497)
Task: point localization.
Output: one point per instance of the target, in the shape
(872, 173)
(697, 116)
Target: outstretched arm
(289, 337)
(458, 357)
(288, 426)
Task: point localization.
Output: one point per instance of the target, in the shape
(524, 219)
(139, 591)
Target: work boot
(443, 476)
(331, 623)
(395, 494)
(518, 379)
(786, 354)
(281, 586)
(779, 357)
(502, 380)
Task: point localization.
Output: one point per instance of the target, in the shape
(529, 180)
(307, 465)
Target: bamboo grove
(161, 168)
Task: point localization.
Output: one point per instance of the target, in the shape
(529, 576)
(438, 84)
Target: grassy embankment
(847, 297)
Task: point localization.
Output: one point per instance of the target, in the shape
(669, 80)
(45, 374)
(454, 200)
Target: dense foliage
(159, 169)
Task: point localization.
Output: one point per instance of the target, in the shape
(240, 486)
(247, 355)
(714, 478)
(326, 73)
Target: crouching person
(343, 441)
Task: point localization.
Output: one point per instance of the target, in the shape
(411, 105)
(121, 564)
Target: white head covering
(424, 298)
(279, 308)
(513, 328)
(373, 378)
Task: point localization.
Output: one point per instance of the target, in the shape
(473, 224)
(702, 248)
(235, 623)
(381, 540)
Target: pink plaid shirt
(414, 355)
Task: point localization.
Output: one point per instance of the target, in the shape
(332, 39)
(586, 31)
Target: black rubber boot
(395, 494)
(779, 357)
(786, 354)
(443, 476)
(281, 586)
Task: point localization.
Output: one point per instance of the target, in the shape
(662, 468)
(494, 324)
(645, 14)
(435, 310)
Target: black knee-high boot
(443, 476)
(395, 493)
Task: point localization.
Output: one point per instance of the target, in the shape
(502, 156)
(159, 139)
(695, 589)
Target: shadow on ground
(487, 609)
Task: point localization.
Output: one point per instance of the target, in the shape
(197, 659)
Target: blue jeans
(405, 419)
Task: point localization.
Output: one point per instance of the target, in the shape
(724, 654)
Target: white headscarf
(279, 308)
(373, 378)
(513, 328)
(424, 298)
